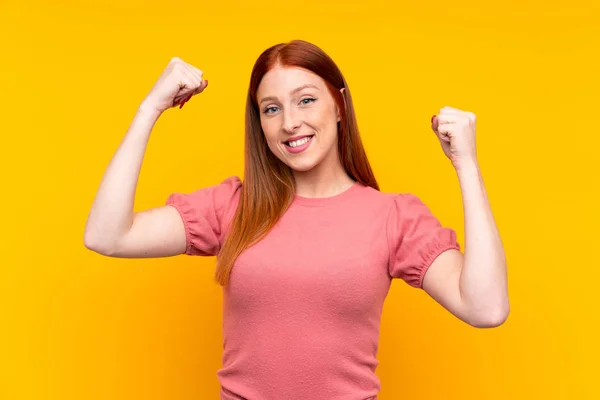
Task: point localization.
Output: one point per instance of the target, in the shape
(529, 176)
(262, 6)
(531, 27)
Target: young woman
(307, 245)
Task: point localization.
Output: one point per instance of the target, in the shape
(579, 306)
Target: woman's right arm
(113, 228)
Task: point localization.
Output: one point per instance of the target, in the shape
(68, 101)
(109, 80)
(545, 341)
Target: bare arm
(113, 228)
(473, 286)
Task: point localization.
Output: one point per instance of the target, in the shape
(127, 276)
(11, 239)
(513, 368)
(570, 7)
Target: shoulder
(226, 194)
(399, 202)
(218, 196)
(406, 202)
(400, 211)
(228, 188)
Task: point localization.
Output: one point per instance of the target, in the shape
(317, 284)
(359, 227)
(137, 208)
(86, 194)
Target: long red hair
(268, 188)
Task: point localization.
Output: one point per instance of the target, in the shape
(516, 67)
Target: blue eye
(273, 109)
(266, 111)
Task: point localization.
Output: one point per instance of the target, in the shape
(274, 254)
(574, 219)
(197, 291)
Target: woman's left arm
(474, 286)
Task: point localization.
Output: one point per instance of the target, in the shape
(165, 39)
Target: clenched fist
(455, 130)
(175, 86)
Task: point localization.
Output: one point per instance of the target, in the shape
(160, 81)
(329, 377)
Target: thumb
(435, 126)
(435, 123)
(202, 86)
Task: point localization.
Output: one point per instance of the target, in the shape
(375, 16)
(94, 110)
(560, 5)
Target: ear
(338, 111)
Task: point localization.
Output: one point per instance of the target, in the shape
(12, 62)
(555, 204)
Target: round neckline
(325, 201)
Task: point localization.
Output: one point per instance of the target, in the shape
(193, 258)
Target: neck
(329, 178)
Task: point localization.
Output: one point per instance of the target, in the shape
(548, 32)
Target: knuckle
(178, 67)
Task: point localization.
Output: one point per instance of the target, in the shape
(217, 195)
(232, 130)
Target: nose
(291, 121)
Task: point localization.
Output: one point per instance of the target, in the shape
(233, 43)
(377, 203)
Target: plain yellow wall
(75, 325)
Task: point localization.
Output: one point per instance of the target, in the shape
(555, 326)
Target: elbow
(492, 318)
(94, 243)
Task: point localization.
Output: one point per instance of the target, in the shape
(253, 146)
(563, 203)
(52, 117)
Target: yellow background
(75, 325)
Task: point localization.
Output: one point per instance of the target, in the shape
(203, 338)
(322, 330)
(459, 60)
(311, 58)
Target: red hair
(269, 186)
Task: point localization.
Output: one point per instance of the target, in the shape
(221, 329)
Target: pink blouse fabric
(302, 311)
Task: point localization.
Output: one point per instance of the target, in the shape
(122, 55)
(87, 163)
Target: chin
(302, 165)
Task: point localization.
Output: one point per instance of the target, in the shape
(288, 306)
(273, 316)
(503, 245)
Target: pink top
(301, 314)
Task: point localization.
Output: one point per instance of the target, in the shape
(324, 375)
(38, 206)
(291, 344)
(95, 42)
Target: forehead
(280, 81)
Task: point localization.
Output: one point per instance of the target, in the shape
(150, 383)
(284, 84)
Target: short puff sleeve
(205, 214)
(415, 239)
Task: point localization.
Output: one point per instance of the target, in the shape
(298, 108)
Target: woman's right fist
(175, 86)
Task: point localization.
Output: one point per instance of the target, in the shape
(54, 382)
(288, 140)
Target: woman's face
(299, 117)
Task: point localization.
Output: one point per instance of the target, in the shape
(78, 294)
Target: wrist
(466, 165)
(148, 110)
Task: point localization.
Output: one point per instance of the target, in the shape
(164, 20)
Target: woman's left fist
(455, 130)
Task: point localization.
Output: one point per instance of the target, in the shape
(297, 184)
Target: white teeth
(299, 142)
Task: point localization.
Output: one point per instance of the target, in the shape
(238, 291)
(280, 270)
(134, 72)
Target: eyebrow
(270, 98)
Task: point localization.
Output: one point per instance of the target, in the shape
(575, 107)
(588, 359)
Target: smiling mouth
(299, 142)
